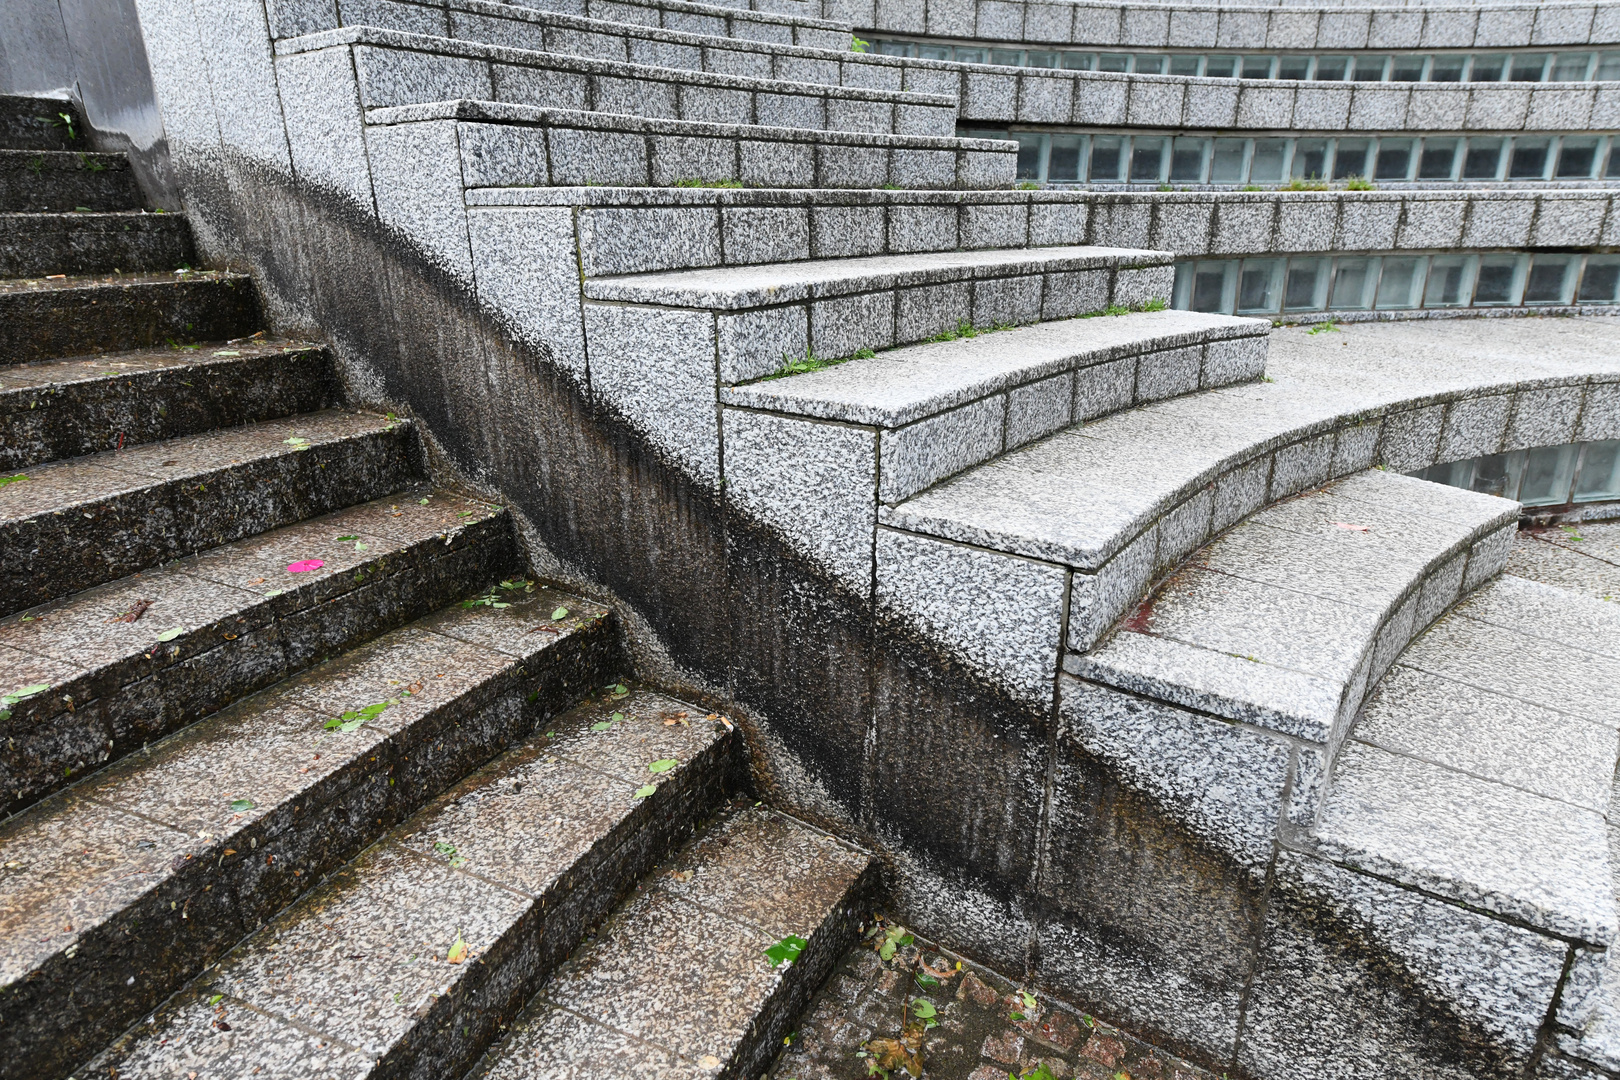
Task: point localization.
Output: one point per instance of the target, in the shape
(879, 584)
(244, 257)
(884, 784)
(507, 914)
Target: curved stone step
(815, 454)
(41, 319)
(632, 1001)
(68, 525)
(116, 680)
(654, 338)
(1124, 500)
(66, 180)
(119, 889)
(396, 69)
(35, 244)
(363, 975)
(56, 409)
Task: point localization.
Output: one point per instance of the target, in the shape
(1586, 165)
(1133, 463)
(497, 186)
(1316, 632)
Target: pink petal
(1353, 528)
(307, 564)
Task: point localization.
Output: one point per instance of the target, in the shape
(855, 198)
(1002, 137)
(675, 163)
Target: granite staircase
(303, 774)
(1176, 548)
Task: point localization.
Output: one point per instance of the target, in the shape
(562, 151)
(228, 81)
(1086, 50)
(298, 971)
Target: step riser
(120, 708)
(73, 1005)
(28, 123)
(32, 246)
(88, 417)
(394, 77)
(65, 181)
(55, 554)
(51, 323)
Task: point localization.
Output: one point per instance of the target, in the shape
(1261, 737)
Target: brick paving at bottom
(984, 1027)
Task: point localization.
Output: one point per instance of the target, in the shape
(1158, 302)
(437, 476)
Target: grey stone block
(1057, 224)
(1242, 29)
(1000, 19)
(867, 116)
(1099, 101)
(1411, 438)
(1453, 29)
(1301, 465)
(1183, 227)
(923, 169)
(656, 368)
(1343, 30)
(1368, 223)
(1437, 108)
(416, 177)
(1243, 227)
(847, 324)
(1183, 529)
(678, 158)
(399, 77)
(1308, 223)
(522, 260)
(989, 97)
(1037, 409)
(1499, 222)
(790, 111)
(1149, 27)
(1378, 108)
(844, 231)
(1211, 105)
(1048, 22)
(1356, 448)
(1395, 30)
(922, 228)
(1192, 29)
(542, 87)
(1543, 417)
(789, 165)
(1497, 108)
(978, 169)
(812, 482)
(850, 167)
(1322, 108)
(581, 157)
(753, 344)
(1504, 27)
(951, 18)
(1135, 286)
(713, 105)
(922, 454)
(1044, 99)
(1600, 415)
(1168, 373)
(765, 234)
(1121, 222)
(1008, 301)
(1240, 491)
(1291, 29)
(615, 240)
(1233, 360)
(1432, 223)
(1104, 388)
(294, 18)
(923, 311)
(998, 226)
(1097, 600)
(1155, 102)
(1002, 615)
(1569, 220)
(1560, 108)
(324, 126)
(1265, 107)
(1474, 427)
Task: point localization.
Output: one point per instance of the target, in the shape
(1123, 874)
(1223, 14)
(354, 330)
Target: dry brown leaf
(458, 951)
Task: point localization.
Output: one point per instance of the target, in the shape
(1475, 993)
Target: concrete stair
(275, 696)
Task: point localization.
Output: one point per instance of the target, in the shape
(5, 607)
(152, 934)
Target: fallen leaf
(645, 790)
(171, 634)
(458, 951)
(662, 765)
(242, 805)
(560, 613)
(305, 565)
(785, 951)
(136, 610)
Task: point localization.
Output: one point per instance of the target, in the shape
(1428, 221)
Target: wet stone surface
(985, 1028)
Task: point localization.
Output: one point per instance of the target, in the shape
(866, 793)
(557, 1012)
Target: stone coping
(455, 47)
(734, 288)
(564, 18)
(907, 384)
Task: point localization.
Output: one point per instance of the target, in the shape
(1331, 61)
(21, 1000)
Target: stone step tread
(365, 965)
(677, 983)
(57, 487)
(202, 836)
(729, 287)
(1279, 621)
(1589, 565)
(114, 683)
(628, 12)
(66, 180)
(33, 244)
(905, 384)
(72, 285)
(1468, 776)
(448, 81)
(79, 522)
(54, 409)
(1136, 465)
